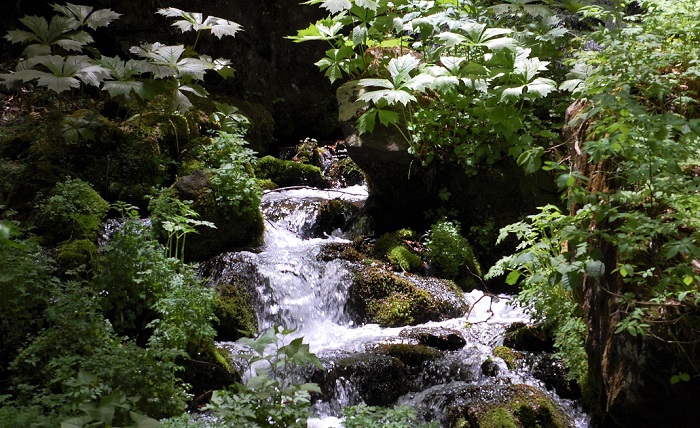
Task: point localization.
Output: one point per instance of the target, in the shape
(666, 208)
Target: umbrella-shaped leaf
(401, 67)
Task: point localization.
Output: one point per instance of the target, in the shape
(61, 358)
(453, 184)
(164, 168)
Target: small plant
(272, 395)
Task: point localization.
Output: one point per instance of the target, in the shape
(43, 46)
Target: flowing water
(295, 289)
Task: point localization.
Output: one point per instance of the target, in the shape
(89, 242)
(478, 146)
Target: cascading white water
(299, 291)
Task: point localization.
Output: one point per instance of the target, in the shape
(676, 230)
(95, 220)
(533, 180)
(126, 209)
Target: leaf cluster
(460, 82)
(60, 58)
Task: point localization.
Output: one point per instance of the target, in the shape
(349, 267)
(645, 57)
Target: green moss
(266, 184)
(508, 355)
(498, 418)
(73, 210)
(288, 173)
(391, 300)
(235, 314)
(75, 253)
(392, 248)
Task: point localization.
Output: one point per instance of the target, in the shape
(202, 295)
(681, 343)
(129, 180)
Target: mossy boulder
(509, 356)
(287, 173)
(413, 355)
(466, 405)
(206, 371)
(528, 338)
(75, 253)
(444, 339)
(396, 251)
(235, 228)
(392, 299)
(73, 209)
(233, 276)
(235, 313)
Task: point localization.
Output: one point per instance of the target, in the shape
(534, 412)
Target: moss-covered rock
(207, 371)
(412, 355)
(509, 356)
(76, 253)
(235, 228)
(73, 209)
(465, 405)
(289, 173)
(391, 299)
(529, 338)
(378, 379)
(234, 311)
(444, 339)
(392, 248)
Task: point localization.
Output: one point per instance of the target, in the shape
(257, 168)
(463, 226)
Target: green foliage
(73, 210)
(363, 416)
(65, 30)
(548, 274)
(177, 219)
(231, 172)
(271, 396)
(449, 252)
(461, 82)
(173, 72)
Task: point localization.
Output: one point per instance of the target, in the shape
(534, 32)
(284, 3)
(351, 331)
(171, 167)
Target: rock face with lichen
(464, 405)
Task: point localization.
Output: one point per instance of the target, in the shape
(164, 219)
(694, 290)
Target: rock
(379, 380)
(459, 404)
(527, 338)
(392, 299)
(509, 356)
(232, 276)
(235, 229)
(410, 354)
(552, 372)
(287, 173)
(440, 338)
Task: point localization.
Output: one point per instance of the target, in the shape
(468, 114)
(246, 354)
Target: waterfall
(298, 289)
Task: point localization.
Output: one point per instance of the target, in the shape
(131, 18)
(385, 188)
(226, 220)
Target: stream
(294, 288)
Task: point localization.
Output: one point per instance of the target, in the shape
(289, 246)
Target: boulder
(440, 338)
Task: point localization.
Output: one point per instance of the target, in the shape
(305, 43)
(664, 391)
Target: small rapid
(299, 290)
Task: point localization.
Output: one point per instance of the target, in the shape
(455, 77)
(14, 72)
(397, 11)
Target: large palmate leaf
(194, 21)
(478, 34)
(84, 15)
(58, 73)
(333, 6)
(44, 35)
(531, 86)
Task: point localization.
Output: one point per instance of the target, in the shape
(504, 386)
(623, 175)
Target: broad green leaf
(372, 5)
(381, 83)
(401, 67)
(450, 39)
(220, 27)
(387, 117)
(76, 422)
(336, 6)
(513, 277)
